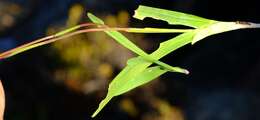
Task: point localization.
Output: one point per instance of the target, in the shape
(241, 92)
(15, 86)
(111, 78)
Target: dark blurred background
(67, 79)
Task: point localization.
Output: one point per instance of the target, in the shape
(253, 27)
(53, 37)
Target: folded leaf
(146, 76)
(218, 27)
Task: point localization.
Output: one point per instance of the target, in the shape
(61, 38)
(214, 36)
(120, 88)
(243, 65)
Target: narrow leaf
(95, 19)
(130, 78)
(172, 17)
(169, 46)
(119, 37)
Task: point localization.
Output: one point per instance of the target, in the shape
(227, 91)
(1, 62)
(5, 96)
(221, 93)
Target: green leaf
(146, 76)
(95, 19)
(130, 78)
(169, 46)
(119, 37)
(172, 17)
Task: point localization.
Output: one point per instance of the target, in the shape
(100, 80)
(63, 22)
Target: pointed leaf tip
(102, 105)
(95, 19)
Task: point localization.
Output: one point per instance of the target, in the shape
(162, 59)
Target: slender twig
(69, 32)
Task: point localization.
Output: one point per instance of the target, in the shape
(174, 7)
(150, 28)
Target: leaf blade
(172, 17)
(144, 77)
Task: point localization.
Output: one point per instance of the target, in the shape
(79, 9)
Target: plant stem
(69, 32)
